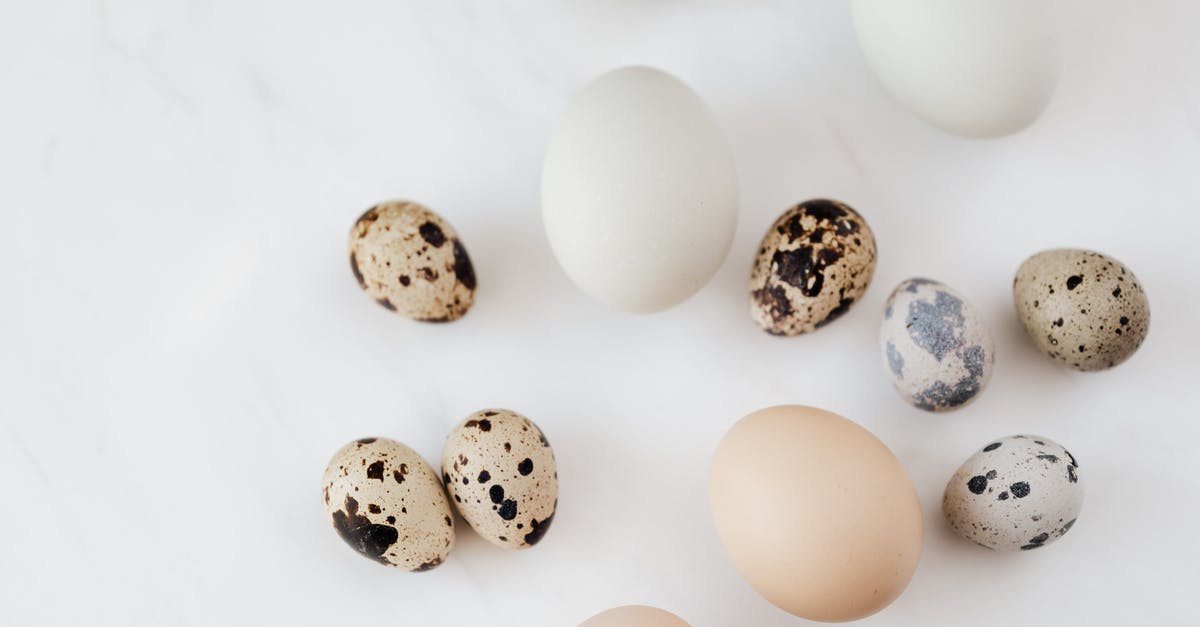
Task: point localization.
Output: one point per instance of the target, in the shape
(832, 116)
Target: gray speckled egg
(813, 264)
(936, 346)
(411, 261)
(1082, 308)
(502, 477)
(1017, 493)
(388, 504)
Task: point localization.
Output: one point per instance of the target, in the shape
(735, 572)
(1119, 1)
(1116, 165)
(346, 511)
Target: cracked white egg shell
(815, 261)
(639, 191)
(1081, 308)
(1021, 492)
(936, 345)
(501, 475)
(387, 503)
(412, 262)
(635, 616)
(978, 68)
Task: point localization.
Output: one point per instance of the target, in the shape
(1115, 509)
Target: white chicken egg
(639, 191)
(979, 68)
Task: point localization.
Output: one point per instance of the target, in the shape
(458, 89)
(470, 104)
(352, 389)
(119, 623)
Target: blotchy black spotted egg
(388, 504)
(813, 264)
(411, 261)
(936, 345)
(1016, 493)
(1082, 308)
(502, 477)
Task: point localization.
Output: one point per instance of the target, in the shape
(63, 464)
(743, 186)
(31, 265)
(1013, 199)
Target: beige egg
(635, 616)
(411, 261)
(1081, 308)
(815, 512)
(388, 504)
(812, 265)
(502, 477)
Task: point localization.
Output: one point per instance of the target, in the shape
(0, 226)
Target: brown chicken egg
(635, 616)
(815, 512)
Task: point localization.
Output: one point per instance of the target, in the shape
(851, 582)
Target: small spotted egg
(1017, 493)
(936, 346)
(1082, 308)
(411, 261)
(388, 504)
(502, 477)
(812, 265)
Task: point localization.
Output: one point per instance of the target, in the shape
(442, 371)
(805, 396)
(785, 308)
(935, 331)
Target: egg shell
(1021, 492)
(936, 346)
(635, 616)
(1082, 308)
(978, 68)
(388, 504)
(815, 261)
(502, 477)
(639, 191)
(411, 261)
(815, 512)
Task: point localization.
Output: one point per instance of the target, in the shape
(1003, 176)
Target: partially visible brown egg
(635, 616)
(815, 512)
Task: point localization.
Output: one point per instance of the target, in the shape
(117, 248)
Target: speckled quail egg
(812, 265)
(502, 477)
(1082, 308)
(935, 345)
(388, 504)
(1017, 493)
(411, 261)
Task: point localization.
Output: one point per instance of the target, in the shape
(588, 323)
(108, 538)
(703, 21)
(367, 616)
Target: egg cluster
(388, 504)
(640, 204)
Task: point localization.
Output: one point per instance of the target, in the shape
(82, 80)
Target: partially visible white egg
(639, 191)
(981, 68)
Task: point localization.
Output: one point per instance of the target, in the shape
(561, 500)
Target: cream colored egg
(635, 616)
(502, 477)
(815, 512)
(388, 504)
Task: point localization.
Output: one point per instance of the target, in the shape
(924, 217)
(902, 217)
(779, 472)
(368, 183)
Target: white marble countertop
(182, 345)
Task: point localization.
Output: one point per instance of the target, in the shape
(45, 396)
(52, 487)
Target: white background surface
(182, 345)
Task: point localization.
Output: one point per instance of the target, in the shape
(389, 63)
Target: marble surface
(182, 345)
